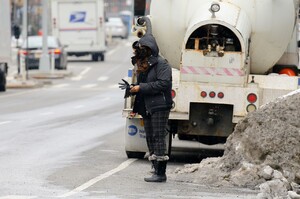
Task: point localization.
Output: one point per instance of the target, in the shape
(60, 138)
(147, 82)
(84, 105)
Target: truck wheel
(3, 84)
(95, 57)
(102, 57)
(2, 88)
(139, 155)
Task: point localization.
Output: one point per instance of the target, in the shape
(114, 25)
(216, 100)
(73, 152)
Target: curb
(49, 75)
(36, 79)
(24, 84)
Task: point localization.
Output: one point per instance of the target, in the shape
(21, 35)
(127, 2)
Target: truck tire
(3, 82)
(102, 57)
(95, 57)
(132, 154)
(2, 88)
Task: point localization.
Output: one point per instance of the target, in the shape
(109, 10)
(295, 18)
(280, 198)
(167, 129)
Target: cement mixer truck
(229, 57)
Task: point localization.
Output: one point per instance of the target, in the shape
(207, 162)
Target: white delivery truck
(79, 24)
(229, 57)
(5, 42)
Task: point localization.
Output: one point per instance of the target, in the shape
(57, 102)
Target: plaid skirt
(155, 128)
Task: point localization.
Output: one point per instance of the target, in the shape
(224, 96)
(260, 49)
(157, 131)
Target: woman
(153, 101)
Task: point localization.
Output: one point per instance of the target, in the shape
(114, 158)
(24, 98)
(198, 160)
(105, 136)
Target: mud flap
(135, 138)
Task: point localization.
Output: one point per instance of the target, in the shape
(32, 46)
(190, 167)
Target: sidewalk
(35, 79)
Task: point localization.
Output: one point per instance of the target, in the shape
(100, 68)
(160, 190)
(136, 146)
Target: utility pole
(24, 24)
(44, 64)
(23, 60)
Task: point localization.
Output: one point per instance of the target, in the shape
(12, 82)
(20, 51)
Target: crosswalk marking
(114, 86)
(89, 86)
(80, 76)
(47, 113)
(79, 106)
(103, 78)
(61, 85)
(5, 122)
(113, 51)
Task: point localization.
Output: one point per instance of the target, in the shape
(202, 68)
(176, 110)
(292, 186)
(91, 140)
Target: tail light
(212, 94)
(55, 51)
(252, 98)
(203, 94)
(220, 95)
(173, 93)
(23, 52)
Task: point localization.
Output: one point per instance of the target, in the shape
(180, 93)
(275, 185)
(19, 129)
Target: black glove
(125, 86)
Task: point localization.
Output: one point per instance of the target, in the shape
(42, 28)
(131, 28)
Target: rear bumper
(32, 63)
(84, 49)
(83, 53)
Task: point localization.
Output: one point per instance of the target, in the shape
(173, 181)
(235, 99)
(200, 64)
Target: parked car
(32, 50)
(115, 27)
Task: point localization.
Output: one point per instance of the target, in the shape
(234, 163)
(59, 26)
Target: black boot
(160, 176)
(153, 167)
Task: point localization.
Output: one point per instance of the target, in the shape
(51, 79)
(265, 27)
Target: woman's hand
(135, 89)
(132, 115)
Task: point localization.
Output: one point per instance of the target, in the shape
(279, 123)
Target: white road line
(98, 178)
(114, 86)
(5, 122)
(128, 44)
(89, 86)
(47, 113)
(110, 151)
(80, 76)
(111, 52)
(103, 78)
(79, 106)
(17, 197)
(77, 78)
(21, 93)
(105, 99)
(60, 85)
(85, 71)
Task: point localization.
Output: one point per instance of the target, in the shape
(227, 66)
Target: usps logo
(77, 17)
(132, 130)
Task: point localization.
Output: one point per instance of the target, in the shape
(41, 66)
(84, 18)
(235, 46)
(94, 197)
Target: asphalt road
(66, 140)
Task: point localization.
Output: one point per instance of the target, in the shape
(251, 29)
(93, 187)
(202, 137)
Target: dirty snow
(262, 153)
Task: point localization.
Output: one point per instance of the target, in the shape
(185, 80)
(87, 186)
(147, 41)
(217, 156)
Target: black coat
(155, 89)
(155, 84)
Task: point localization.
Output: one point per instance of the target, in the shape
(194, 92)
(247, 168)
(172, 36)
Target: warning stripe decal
(211, 71)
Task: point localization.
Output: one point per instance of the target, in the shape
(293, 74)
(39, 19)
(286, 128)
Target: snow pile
(263, 151)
